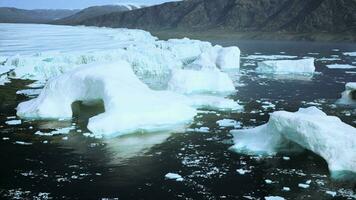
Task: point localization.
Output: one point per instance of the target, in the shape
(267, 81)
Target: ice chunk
(29, 92)
(174, 176)
(311, 129)
(274, 198)
(13, 122)
(302, 185)
(349, 53)
(286, 66)
(189, 81)
(349, 95)
(341, 66)
(332, 193)
(243, 171)
(269, 57)
(228, 123)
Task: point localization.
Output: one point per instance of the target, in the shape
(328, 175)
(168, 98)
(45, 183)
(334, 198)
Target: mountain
(94, 11)
(240, 16)
(15, 15)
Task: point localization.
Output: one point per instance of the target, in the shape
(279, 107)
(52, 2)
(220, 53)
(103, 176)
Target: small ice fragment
(302, 185)
(268, 181)
(286, 189)
(274, 198)
(332, 193)
(243, 171)
(286, 158)
(13, 122)
(174, 176)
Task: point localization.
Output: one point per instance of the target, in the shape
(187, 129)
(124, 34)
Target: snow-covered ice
(311, 129)
(287, 66)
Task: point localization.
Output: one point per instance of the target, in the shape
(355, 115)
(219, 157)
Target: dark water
(131, 167)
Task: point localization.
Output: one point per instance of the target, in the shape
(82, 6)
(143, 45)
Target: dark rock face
(239, 16)
(92, 12)
(14, 15)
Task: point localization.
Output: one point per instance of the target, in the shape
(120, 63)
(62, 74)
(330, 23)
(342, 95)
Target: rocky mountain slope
(94, 11)
(14, 15)
(270, 16)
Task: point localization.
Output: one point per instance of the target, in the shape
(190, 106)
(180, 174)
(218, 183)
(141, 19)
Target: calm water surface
(131, 167)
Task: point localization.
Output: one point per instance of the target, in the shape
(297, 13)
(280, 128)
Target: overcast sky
(70, 4)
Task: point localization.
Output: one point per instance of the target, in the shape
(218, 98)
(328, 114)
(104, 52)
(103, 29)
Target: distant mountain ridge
(15, 15)
(297, 16)
(95, 11)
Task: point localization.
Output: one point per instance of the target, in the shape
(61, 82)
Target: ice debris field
(150, 85)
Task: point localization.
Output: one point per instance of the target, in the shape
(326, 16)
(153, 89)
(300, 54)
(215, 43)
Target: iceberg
(147, 56)
(302, 66)
(130, 105)
(309, 128)
(348, 97)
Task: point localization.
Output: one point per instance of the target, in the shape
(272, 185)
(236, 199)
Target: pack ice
(121, 78)
(349, 95)
(309, 128)
(301, 66)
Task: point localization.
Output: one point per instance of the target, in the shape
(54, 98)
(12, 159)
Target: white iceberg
(311, 129)
(348, 97)
(147, 56)
(302, 66)
(130, 105)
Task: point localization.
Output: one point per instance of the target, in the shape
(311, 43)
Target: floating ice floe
(348, 97)
(349, 53)
(269, 57)
(228, 123)
(341, 66)
(174, 176)
(311, 129)
(302, 66)
(13, 122)
(274, 198)
(130, 105)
